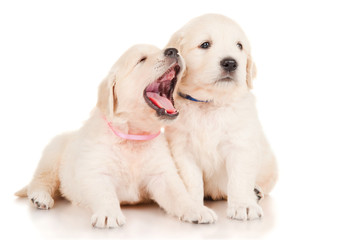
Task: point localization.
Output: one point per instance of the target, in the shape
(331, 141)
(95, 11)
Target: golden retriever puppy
(217, 142)
(119, 155)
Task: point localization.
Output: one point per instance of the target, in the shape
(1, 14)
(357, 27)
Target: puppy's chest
(128, 172)
(206, 133)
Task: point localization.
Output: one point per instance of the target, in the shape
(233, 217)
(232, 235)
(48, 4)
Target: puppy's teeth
(170, 75)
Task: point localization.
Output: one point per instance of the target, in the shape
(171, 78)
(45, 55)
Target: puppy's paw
(41, 199)
(200, 214)
(244, 212)
(106, 220)
(259, 193)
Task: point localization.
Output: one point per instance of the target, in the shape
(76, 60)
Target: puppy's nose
(228, 64)
(171, 52)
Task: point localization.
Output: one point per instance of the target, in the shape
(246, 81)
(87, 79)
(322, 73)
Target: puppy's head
(141, 84)
(217, 56)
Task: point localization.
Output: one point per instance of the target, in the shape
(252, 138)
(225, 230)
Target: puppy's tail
(22, 192)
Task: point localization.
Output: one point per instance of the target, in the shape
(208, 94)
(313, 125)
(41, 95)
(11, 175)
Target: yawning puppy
(119, 155)
(217, 141)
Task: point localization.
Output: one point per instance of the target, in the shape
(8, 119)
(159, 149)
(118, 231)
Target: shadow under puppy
(119, 155)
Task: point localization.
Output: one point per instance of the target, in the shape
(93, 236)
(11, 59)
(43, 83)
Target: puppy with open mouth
(217, 142)
(120, 156)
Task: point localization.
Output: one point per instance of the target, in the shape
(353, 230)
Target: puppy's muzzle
(159, 94)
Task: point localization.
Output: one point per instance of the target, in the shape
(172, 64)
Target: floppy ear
(176, 41)
(250, 72)
(107, 97)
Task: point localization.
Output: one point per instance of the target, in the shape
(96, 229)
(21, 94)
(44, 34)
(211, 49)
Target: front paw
(243, 212)
(108, 219)
(200, 214)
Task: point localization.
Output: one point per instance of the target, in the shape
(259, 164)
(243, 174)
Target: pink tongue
(161, 102)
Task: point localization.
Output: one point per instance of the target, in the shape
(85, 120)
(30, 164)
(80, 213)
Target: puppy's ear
(250, 72)
(176, 41)
(107, 97)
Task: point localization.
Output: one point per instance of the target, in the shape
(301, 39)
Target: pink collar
(132, 136)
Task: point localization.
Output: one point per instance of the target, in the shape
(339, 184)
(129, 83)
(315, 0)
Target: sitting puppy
(119, 155)
(217, 142)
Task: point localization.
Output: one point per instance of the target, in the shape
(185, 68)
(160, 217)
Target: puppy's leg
(242, 167)
(169, 192)
(45, 182)
(97, 192)
(191, 175)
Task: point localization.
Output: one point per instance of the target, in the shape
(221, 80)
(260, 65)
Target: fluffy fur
(219, 146)
(95, 168)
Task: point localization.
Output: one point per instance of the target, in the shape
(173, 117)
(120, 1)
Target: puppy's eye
(240, 46)
(205, 45)
(142, 59)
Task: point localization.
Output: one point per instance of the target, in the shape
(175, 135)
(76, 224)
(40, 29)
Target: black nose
(171, 52)
(228, 64)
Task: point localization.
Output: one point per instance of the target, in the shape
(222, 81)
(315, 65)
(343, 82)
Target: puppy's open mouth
(159, 94)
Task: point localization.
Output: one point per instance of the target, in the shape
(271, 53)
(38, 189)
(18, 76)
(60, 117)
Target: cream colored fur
(219, 147)
(95, 168)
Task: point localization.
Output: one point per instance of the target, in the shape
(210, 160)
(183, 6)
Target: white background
(53, 55)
